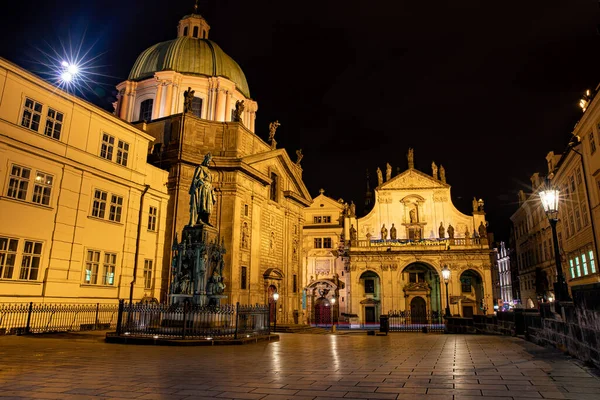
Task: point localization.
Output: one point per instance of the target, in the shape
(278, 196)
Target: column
(157, 101)
(220, 106)
(252, 121)
(227, 116)
(125, 103)
(168, 100)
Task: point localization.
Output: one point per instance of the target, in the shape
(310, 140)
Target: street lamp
(332, 319)
(549, 198)
(446, 276)
(275, 298)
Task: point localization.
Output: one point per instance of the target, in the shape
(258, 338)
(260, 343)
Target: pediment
(413, 179)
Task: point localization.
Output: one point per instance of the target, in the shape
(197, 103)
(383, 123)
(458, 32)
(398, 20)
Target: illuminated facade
(80, 208)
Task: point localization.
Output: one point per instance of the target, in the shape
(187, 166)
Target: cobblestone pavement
(297, 367)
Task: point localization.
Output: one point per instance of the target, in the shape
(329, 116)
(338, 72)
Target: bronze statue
(411, 158)
(300, 156)
(202, 195)
(450, 231)
(393, 232)
(379, 177)
(384, 232)
(272, 128)
(353, 234)
(239, 109)
(442, 174)
(482, 231)
(442, 231)
(188, 97)
(434, 170)
(388, 172)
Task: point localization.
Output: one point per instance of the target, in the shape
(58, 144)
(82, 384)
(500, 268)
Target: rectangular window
(116, 206)
(108, 145)
(318, 243)
(99, 206)
(32, 114)
(148, 274)
(294, 283)
(30, 265)
(578, 175)
(571, 230)
(122, 153)
(18, 182)
(327, 243)
(197, 107)
(465, 284)
(317, 220)
(572, 182)
(592, 141)
(152, 215)
(584, 215)
(592, 263)
(584, 264)
(327, 219)
(108, 274)
(54, 123)
(578, 266)
(8, 256)
(244, 278)
(369, 286)
(146, 110)
(92, 263)
(274, 182)
(577, 220)
(42, 188)
(246, 210)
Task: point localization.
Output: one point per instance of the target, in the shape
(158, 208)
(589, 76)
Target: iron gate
(411, 321)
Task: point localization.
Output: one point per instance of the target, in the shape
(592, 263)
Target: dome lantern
(193, 25)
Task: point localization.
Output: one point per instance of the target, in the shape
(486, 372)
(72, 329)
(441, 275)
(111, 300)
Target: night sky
(485, 88)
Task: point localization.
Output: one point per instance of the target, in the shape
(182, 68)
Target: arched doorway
(420, 280)
(371, 287)
(471, 285)
(271, 290)
(418, 310)
(322, 312)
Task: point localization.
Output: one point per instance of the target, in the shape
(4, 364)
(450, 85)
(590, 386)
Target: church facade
(395, 254)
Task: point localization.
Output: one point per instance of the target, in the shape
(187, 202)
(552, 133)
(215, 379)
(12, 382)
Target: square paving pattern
(401, 365)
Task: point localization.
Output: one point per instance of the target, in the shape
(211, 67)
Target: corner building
(259, 190)
(384, 275)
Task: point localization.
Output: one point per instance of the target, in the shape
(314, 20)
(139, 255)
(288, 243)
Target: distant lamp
(332, 314)
(69, 72)
(550, 200)
(275, 298)
(446, 276)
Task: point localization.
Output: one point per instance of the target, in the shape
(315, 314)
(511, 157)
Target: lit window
(92, 263)
(42, 188)
(578, 266)
(146, 110)
(108, 275)
(592, 142)
(592, 263)
(32, 114)
(108, 145)
(327, 243)
(317, 220)
(327, 219)
(8, 256)
(116, 207)
(30, 265)
(152, 214)
(122, 153)
(148, 274)
(584, 264)
(19, 182)
(54, 123)
(99, 206)
(318, 243)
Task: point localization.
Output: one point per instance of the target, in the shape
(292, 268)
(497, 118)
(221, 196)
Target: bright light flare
(66, 77)
(72, 69)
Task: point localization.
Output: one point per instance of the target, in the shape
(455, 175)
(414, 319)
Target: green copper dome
(189, 56)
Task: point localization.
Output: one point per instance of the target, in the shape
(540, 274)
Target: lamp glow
(275, 296)
(446, 273)
(549, 198)
(66, 77)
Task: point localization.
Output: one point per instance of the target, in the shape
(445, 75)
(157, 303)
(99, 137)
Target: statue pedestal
(215, 300)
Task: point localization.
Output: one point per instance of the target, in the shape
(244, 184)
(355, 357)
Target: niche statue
(202, 194)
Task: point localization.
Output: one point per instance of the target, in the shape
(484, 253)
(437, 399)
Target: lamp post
(332, 314)
(549, 198)
(446, 276)
(275, 298)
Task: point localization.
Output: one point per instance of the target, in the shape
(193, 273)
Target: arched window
(185, 31)
(195, 32)
(197, 107)
(274, 188)
(146, 110)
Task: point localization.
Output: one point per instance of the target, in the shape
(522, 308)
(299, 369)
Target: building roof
(189, 56)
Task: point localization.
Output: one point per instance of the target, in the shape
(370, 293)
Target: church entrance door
(369, 315)
(418, 311)
(322, 312)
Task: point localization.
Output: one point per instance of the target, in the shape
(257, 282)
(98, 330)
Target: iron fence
(23, 318)
(192, 321)
(407, 321)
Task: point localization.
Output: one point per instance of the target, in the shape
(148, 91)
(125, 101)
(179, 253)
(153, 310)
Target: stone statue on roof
(411, 158)
(442, 174)
(272, 128)
(300, 156)
(239, 109)
(388, 172)
(434, 170)
(379, 177)
(188, 98)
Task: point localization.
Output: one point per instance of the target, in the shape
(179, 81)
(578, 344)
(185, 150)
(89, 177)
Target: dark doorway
(418, 311)
(369, 315)
(322, 312)
(272, 305)
(467, 311)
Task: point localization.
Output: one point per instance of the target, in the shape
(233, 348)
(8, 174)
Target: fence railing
(23, 318)
(192, 322)
(407, 321)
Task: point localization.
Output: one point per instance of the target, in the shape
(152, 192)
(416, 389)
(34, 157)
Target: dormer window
(195, 34)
